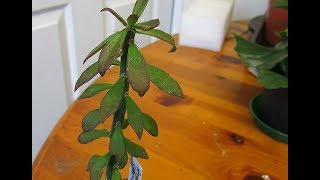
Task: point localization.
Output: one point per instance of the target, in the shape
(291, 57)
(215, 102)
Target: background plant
(271, 63)
(135, 71)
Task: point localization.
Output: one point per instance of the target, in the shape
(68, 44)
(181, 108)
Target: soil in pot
(273, 109)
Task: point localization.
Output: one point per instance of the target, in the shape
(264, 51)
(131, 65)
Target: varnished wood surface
(208, 135)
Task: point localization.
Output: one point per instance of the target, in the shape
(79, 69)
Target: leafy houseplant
(275, 18)
(135, 71)
(271, 64)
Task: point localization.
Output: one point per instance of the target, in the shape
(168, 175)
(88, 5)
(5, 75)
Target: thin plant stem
(119, 114)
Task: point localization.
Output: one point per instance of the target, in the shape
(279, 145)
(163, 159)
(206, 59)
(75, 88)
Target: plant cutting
(134, 72)
(270, 109)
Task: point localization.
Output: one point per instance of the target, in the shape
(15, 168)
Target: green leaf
(134, 116)
(150, 125)
(161, 35)
(125, 124)
(96, 165)
(116, 15)
(136, 150)
(137, 71)
(132, 19)
(86, 137)
(117, 145)
(280, 4)
(112, 99)
(111, 51)
(116, 63)
(148, 25)
(92, 161)
(139, 7)
(284, 66)
(116, 175)
(164, 82)
(88, 74)
(255, 55)
(282, 45)
(91, 120)
(283, 35)
(272, 80)
(95, 89)
(99, 47)
(124, 161)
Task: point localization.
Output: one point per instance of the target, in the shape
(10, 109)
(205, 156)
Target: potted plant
(134, 71)
(270, 109)
(275, 20)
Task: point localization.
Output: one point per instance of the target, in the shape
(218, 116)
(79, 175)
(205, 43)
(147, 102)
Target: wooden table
(208, 135)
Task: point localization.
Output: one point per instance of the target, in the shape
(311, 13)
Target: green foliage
(161, 35)
(148, 25)
(280, 4)
(136, 150)
(95, 89)
(99, 47)
(86, 137)
(255, 55)
(284, 66)
(137, 71)
(88, 74)
(139, 7)
(91, 120)
(267, 60)
(132, 19)
(116, 175)
(112, 99)
(111, 51)
(96, 165)
(134, 116)
(164, 81)
(272, 80)
(124, 161)
(125, 123)
(150, 125)
(117, 145)
(134, 71)
(115, 15)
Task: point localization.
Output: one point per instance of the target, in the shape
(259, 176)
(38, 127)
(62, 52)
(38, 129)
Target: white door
(63, 32)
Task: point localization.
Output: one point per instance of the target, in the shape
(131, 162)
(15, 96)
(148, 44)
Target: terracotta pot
(274, 18)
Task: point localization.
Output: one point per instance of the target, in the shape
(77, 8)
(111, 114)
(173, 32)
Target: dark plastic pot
(273, 108)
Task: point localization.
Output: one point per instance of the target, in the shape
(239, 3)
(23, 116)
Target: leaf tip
(146, 157)
(80, 140)
(174, 48)
(142, 93)
(105, 9)
(76, 87)
(84, 61)
(101, 71)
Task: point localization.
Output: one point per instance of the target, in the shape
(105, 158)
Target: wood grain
(208, 135)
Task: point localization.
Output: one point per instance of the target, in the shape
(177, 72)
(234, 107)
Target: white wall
(246, 9)
(243, 9)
